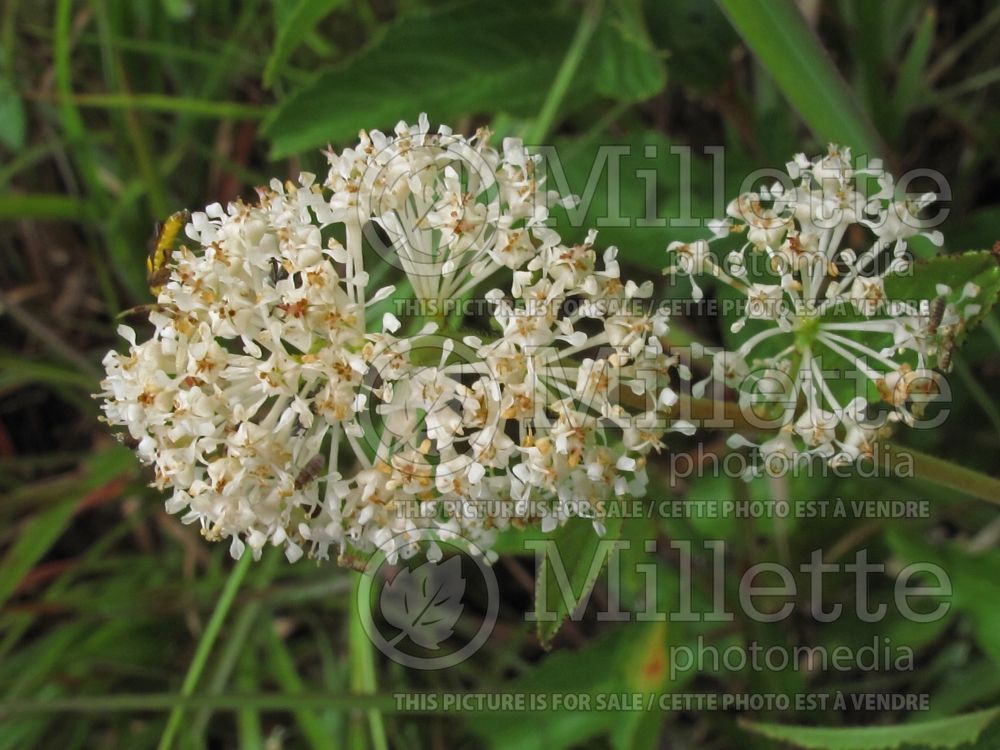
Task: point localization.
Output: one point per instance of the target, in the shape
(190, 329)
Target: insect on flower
(936, 313)
(947, 349)
(310, 471)
(267, 351)
(161, 249)
(278, 271)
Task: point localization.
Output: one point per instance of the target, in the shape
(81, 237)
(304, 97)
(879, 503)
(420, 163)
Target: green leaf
(615, 663)
(644, 662)
(570, 568)
(293, 27)
(974, 594)
(788, 49)
(942, 733)
(630, 67)
(910, 82)
(12, 120)
(626, 186)
(698, 36)
(282, 667)
(447, 63)
(40, 206)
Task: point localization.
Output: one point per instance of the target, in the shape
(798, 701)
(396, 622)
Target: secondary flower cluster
(450, 211)
(282, 402)
(822, 352)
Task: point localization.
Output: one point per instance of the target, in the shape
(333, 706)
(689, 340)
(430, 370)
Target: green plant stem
(992, 326)
(363, 667)
(53, 206)
(117, 82)
(978, 392)
(564, 76)
(945, 473)
(102, 704)
(281, 664)
(248, 724)
(208, 639)
(727, 415)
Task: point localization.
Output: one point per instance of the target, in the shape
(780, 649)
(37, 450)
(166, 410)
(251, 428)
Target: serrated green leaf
(293, 27)
(978, 267)
(447, 63)
(630, 68)
(582, 557)
(942, 733)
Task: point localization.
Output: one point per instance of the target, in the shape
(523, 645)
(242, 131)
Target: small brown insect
(947, 349)
(127, 440)
(936, 313)
(347, 560)
(310, 471)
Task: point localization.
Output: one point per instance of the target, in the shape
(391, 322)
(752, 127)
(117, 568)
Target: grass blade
(41, 532)
(208, 638)
(778, 35)
(293, 28)
(40, 206)
(172, 104)
(283, 669)
(363, 680)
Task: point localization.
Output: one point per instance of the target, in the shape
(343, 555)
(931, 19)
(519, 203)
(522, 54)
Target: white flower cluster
(823, 345)
(280, 402)
(451, 211)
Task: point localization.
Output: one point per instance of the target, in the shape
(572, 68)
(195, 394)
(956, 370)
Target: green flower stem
(208, 639)
(945, 473)
(717, 414)
(978, 393)
(363, 667)
(564, 77)
(727, 415)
